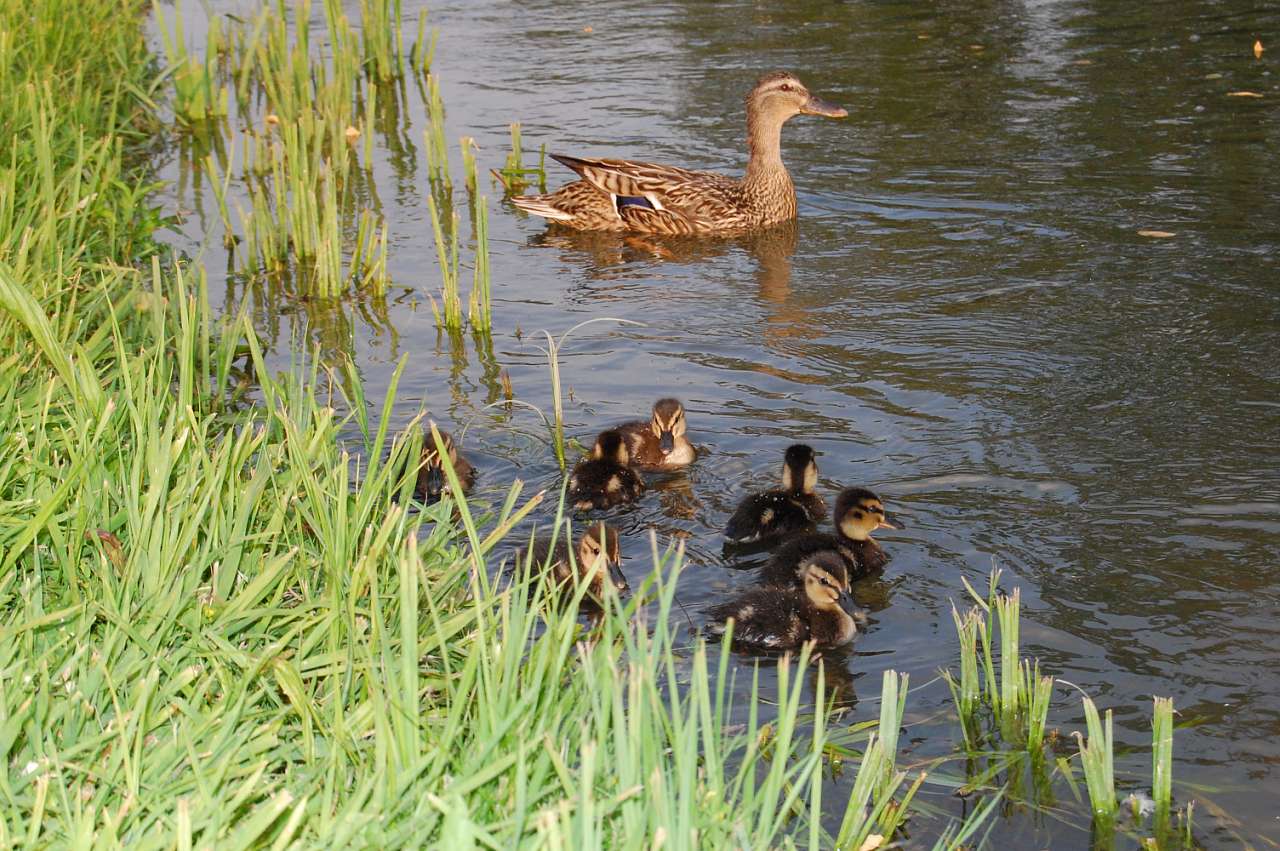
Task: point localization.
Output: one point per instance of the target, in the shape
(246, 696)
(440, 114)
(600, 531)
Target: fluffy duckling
(783, 617)
(660, 443)
(432, 482)
(605, 479)
(596, 558)
(859, 512)
(787, 510)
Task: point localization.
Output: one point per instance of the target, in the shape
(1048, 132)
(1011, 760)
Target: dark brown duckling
(596, 558)
(793, 508)
(783, 617)
(605, 479)
(432, 481)
(660, 443)
(859, 512)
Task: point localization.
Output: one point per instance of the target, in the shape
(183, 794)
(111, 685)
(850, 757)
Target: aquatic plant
(480, 313)
(514, 175)
(449, 314)
(198, 93)
(552, 351)
(1096, 757)
(1162, 761)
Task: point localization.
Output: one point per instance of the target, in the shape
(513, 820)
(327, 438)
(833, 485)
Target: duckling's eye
(786, 87)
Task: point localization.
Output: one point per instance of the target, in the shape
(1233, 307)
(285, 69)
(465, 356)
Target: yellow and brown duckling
(640, 197)
(596, 558)
(789, 510)
(783, 617)
(432, 481)
(605, 479)
(859, 512)
(660, 443)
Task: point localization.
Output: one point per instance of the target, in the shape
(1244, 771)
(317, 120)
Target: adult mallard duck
(641, 197)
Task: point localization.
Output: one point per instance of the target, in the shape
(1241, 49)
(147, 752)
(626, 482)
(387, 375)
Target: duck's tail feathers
(538, 205)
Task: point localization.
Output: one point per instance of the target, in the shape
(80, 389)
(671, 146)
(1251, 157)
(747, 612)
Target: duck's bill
(846, 602)
(617, 577)
(666, 441)
(890, 522)
(818, 106)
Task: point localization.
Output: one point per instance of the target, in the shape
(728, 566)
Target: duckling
(783, 617)
(859, 512)
(597, 556)
(604, 480)
(432, 482)
(783, 511)
(659, 444)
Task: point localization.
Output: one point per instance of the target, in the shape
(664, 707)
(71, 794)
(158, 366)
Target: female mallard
(604, 479)
(783, 617)
(859, 512)
(793, 508)
(643, 197)
(659, 443)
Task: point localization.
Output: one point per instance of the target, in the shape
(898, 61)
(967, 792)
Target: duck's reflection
(771, 249)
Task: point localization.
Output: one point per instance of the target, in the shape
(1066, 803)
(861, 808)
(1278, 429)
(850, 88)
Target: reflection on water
(965, 318)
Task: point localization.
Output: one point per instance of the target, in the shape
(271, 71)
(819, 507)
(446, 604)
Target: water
(966, 318)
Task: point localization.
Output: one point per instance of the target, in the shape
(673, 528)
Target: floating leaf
(1156, 234)
(872, 842)
(352, 134)
(1257, 49)
(1244, 94)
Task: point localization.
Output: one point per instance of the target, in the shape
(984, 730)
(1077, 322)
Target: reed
(198, 94)
(967, 691)
(433, 136)
(1039, 691)
(1097, 761)
(552, 351)
(514, 176)
(381, 35)
(1162, 760)
(468, 147)
(480, 313)
(450, 316)
(424, 47)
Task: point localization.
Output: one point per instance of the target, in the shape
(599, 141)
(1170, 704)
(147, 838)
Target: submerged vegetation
(220, 626)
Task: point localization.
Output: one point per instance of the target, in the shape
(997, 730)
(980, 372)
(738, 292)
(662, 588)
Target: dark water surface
(965, 318)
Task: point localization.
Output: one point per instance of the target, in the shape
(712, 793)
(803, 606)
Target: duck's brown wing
(579, 204)
(692, 201)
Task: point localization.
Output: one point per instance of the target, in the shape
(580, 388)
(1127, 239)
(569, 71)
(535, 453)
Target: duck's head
(611, 446)
(859, 512)
(667, 423)
(824, 583)
(780, 95)
(433, 467)
(800, 469)
(599, 555)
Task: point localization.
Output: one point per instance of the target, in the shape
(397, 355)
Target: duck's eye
(786, 87)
